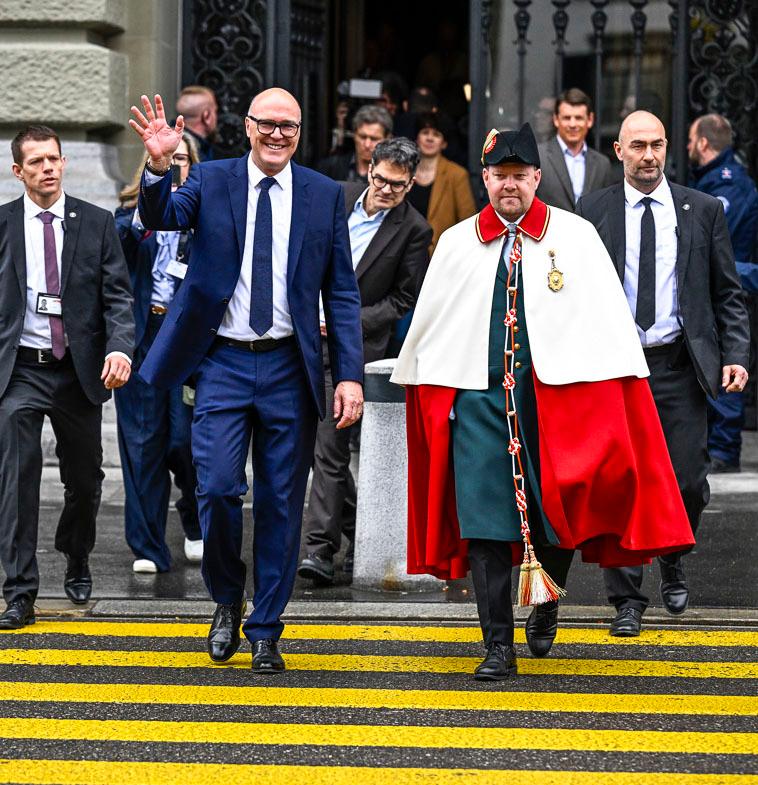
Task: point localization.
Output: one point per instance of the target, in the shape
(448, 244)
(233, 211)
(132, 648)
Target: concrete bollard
(382, 514)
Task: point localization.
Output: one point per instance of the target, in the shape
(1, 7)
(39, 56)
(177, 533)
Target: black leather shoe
(541, 627)
(674, 591)
(18, 614)
(723, 467)
(266, 657)
(78, 582)
(224, 635)
(499, 664)
(627, 623)
(319, 569)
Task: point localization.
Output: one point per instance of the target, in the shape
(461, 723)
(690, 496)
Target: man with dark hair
(198, 105)
(670, 248)
(66, 341)
(371, 125)
(716, 171)
(569, 167)
(389, 242)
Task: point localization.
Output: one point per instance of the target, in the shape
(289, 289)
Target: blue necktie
(261, 290)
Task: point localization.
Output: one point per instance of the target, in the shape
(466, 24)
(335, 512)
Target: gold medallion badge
(555, 276)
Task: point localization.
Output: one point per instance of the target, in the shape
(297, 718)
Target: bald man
(671, 249)
(198, 107)
(270, 236)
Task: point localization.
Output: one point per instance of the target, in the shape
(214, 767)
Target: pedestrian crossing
(122, 702)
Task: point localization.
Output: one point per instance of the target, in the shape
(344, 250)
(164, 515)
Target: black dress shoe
(266, 657)
(499, 664)
(224, 635)
(541, 627)
(723, 467)
(674, 591)
(18, 614)
(319, 569)
(78, 582)
(627, 623)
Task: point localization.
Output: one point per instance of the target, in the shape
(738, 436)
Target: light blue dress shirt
(362, 228)
(576, 165)
(667, 326)
(164, 286)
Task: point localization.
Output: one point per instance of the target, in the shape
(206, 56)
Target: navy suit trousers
(264, 396)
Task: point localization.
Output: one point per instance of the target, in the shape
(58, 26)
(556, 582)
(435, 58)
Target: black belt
(39, 356)
(664, 348)
(261, 345)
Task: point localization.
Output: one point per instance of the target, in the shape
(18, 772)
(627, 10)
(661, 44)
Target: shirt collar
(662, 194)
(32, 210)
(378, 216)
(255, 175)
(565, 148)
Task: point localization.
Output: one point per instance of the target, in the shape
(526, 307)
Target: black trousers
(681, 405)
(332, 500)
(491, 571)
(35, 391)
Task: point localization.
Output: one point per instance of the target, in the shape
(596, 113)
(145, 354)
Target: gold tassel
(536, 587)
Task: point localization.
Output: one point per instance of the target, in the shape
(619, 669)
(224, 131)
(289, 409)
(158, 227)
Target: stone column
(382, 515)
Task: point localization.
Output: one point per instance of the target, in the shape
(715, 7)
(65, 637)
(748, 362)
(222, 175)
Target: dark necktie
(645, 315)
(52, 282)
(261, 289)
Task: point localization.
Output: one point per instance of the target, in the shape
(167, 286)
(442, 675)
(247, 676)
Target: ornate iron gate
(714, 64)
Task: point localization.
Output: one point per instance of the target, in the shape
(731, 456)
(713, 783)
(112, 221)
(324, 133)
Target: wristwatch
(155, 171)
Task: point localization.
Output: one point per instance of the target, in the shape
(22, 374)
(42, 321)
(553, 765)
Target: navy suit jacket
(213, 202)
(141, 250)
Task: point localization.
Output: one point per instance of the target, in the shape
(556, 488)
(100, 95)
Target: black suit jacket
(555, 187)
(390, 271)
(711, 302)
(97, 298)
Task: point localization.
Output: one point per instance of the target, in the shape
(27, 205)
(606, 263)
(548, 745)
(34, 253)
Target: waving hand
(159, 138)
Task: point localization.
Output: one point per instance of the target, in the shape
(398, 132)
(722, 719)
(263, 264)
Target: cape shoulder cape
(583, 333)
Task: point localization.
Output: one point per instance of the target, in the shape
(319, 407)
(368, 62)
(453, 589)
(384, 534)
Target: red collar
(534, 223)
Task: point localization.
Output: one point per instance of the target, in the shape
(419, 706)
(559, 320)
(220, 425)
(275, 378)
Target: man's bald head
(641, 121)
(641, 147)
(275, 99)
(273, 127)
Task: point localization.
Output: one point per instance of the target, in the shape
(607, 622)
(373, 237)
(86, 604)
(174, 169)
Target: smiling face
(430, 142)
(641, 147)
(41, 171)
(573, 122)
(511, 188)
(272, 152)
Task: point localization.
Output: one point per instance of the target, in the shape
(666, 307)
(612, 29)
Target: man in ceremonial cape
(531, 428)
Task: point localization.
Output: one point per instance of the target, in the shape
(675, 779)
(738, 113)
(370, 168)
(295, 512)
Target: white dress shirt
(576, 165)
(36, 330)
(362, 228)
(236, 322)
(666, 327)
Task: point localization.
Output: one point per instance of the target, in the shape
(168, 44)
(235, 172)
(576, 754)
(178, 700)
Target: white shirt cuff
(119, 354)
(152, 179)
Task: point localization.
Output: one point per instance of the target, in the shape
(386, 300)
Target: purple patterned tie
(52, 282)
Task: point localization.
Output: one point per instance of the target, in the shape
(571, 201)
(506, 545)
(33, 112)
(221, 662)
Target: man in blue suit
(269, 237)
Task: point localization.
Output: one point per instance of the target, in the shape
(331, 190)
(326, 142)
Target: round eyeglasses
(396, 186)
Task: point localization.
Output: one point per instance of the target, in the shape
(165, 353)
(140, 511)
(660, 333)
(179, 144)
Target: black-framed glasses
(396, 186)
(267, 127)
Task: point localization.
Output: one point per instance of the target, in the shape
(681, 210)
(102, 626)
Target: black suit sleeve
(727, 295)
(380, 316)
(116, 294)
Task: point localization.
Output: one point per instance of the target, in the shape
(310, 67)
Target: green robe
(485, 495)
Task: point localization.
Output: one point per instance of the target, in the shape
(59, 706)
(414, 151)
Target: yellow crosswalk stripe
(66, 772)
(455, 700)
(384, 664)
(426, 737)
(370, 632)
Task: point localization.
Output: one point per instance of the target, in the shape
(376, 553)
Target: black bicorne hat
(511, 147)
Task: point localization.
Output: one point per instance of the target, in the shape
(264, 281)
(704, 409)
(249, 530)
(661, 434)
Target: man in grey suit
(66, 338)
(671, 249)
(570, 168)
(390, 242)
